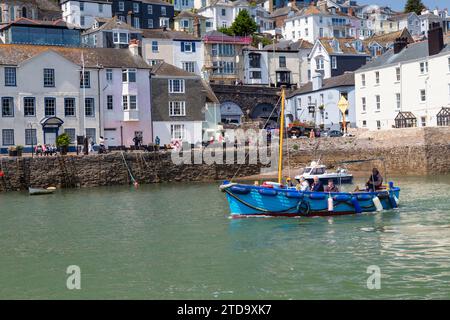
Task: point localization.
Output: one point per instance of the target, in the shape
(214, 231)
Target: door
(110, 138)
(50, 135)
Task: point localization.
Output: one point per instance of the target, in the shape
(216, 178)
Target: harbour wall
(411, 151)
(110, 169)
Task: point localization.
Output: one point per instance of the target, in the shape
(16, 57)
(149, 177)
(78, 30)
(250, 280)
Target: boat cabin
(318, 170)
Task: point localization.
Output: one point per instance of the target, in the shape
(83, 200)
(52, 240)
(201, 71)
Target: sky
(398, 5)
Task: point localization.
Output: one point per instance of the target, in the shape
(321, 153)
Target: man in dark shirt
(317, 186)
(375, 180)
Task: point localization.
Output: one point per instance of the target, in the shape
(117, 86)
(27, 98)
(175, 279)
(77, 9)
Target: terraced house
(74, 90)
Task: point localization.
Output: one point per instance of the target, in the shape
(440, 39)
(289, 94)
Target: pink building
(126, 100)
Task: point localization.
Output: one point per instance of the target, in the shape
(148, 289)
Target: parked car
(333, 133)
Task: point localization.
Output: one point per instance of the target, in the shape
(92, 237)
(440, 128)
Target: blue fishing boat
(249, 200)
(276, 199)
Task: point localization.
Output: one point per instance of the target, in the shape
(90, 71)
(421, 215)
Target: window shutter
(193, 46)
(182, 46)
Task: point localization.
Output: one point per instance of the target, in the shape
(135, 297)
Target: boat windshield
(318, 171)
(307, 170)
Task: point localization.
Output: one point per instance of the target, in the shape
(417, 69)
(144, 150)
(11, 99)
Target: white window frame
(377, 77)
(121, 6)
(189, 66)
(377, 103)
(423, 95)
(135, 7)
(172, 86)
(333, 62)
(363, 104)
(109, 75)
(149, 9)
(398, 101)
(363, 80)
(180, 106)
(177, 128)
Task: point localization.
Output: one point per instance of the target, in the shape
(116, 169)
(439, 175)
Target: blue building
(144, 14)
(52, 33)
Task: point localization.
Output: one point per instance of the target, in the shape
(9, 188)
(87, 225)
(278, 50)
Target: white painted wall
(72, 13)
(192, 131)
(67, 85)
(436, 83)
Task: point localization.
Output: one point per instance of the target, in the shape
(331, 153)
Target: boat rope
(129, 171)
(248, 153)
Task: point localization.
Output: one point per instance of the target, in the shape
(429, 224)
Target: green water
(177, 242)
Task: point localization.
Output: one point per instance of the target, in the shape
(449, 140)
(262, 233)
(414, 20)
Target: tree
(414, 6)
(243, 25)
(226, 31)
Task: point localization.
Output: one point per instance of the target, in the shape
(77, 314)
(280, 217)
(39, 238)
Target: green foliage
(226, 31)
(414, 6)
(63, 140)
(243, 25)
(259, 39)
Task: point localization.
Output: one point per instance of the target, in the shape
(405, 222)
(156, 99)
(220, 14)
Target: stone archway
(266, 113)
(231, 113)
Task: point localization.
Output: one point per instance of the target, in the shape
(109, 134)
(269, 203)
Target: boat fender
(341, 198)
(293, 194)
(392, 201)
(364, 197)
(239, 190)
(330, 204)
(377, 203)
(356, 205)
(317, 196)
(268, 192)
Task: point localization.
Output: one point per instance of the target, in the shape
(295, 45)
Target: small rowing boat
(40, 191)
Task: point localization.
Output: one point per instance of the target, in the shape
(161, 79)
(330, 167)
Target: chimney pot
(435, 39)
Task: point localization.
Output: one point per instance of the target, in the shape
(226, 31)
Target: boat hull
(246, 200)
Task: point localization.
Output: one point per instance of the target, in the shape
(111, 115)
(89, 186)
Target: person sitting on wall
(38, 150)
(375, 181)
(316, 186)
(331, 187)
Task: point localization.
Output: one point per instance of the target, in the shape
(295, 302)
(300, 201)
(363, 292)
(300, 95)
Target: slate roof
(46, 5)
(165, 69)
(412, 51)
(346, 79)
(168, 34)
(388, 38)
(345, 46)
(39, 23)
(287, 45)
(189, 14)
(112, 24)
(15, 54)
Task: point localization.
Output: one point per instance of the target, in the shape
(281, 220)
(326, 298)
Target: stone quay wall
(110, 169)
(410, 151)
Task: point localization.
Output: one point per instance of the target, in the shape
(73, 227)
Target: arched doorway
(230, 113)
(24, 12)
(265, 112)
(50, 127)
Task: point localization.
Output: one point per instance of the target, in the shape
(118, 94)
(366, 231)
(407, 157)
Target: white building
(316, 102)
(406, 86)
(178, 48)
(398, 22)
(314, 22)
(334, 56)
(180, 5)
(57, 101)
(82, 13)
(285, 63)
(222, 13)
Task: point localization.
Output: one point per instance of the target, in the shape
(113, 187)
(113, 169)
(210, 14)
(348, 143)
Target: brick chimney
(197, 27)
(351, 12)
(435, 39)
(134, 47)
(399, 44)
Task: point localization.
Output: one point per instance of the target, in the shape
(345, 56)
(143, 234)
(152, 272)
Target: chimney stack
(129, 18)
(197, 27)
(134, 47)
(400, 44)
(435, 39)
(350, 12)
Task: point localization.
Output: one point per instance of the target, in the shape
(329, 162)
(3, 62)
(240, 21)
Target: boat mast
(280, 155)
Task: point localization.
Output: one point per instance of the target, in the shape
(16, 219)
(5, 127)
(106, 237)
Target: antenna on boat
(280, 154)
